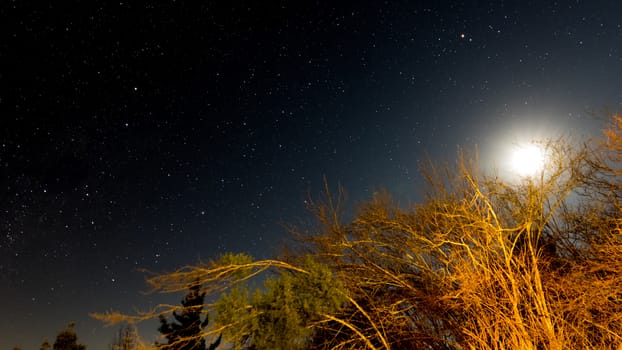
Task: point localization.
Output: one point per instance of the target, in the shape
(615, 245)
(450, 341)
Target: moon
(528, 160)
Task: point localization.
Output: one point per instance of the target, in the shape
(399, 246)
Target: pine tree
(185, 331)
(68, 340)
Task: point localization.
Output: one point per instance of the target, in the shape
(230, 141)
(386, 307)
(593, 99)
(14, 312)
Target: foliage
(126, 339)
(185, 331)
(481, 263)
(68, 340)
(484, 263)
(45, 345)
(282, 314)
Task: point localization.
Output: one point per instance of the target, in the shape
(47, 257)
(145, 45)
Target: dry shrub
(481, 263)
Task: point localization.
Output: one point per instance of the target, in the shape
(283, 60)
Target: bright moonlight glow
(528, 160)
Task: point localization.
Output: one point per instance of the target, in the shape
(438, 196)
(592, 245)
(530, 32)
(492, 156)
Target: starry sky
(148, 135)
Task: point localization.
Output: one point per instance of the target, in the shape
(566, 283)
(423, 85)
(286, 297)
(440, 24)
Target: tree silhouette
(45, 345)
(185, 332)
(68, 340)
(126, 339)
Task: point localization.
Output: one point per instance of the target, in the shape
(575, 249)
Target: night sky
(153, 134)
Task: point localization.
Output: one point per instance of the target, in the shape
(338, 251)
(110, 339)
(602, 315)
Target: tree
(45, 345)
(285, 313)
(480, 263)
(292, 306)
(68, 339)
(185, 332)
(126, 339)
(484, 263)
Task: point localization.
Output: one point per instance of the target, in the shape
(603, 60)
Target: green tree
(185, 332)
(284, 314)
(68, 339)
